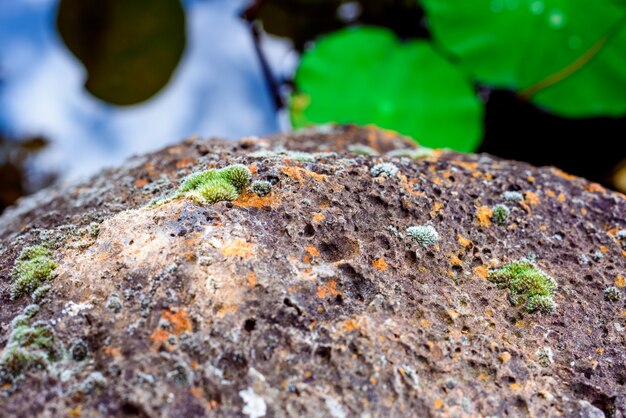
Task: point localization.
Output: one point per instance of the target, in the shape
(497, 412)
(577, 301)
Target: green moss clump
(33, 267)
(29, 347)
(500, 214)
(526, 282)
(212, 186)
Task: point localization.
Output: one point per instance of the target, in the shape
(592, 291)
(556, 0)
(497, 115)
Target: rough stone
(309, 301)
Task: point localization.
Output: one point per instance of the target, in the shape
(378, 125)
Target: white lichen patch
(254, 405)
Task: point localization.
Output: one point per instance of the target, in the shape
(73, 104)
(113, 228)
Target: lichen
(513, 196)
(526, 282)
(213, 185)
(412, 153)
(384, 170)
(612, 294)
(500, 214)
(425, 235)
(261, 187)
(33, 267)
(363, 150)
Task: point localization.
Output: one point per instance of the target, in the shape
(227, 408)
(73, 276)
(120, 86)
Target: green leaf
(366, 76)
(130, 48)
(565, 55)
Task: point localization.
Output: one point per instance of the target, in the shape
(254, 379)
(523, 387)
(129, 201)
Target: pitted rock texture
(312, 301)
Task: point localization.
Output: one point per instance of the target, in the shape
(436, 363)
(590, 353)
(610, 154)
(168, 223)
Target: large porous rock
(313, 300)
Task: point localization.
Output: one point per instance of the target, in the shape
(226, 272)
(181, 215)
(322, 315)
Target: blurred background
(85, 84)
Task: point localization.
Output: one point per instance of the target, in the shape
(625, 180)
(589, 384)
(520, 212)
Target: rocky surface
(312, 300)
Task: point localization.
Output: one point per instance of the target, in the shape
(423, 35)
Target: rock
(312, 300)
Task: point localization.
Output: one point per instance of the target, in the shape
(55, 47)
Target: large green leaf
(130, 48)
(365, 75)
(566, 55)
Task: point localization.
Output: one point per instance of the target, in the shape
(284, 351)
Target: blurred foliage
(566, 56)
(304, 20)
(129, 48)
(18, 177)
(374, 78)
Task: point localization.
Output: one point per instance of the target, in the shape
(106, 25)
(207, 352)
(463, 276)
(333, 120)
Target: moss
(425, 236)
(414, 154)
(500, 214)
(33, 267)
(213, 185)
(526, 281)
(261, 187)
(29, 347)
(40, 294)
(363, 150)
(612, 294)
(384, 170)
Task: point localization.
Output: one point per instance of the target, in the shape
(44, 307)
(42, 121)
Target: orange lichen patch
(560, 173)
(604, 249)
(436, 208)
(74, 412)
(226, 309)
(325, 204)
(350, 325)
(179, 320)
(329, 288)
(184, 163)
(483, 215)
(141, 182)
(463, 242)
(583, 211)
(482, 271)
(520, 324)
(550, 193)
(238, 248)
(438, 404)
(302, 174)
(425, 323)
(438, 181)
(530, 179)
(159, 337)
(468, 166)
(318, 217)
(380, 264)
(620, 281)
(561, 197)
(252, 279)
(196, 392)
(455, 260)
(483, 377)
(113, 352)
(252, 200)
(505, 356)
(531, 198)
(312, 250)
(408, 185)
(253, 168)
(515, 386)
(595, 188)
(600, 350)
(453, 314)
(623, 314)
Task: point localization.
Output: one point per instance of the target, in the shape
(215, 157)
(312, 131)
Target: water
(217, 90)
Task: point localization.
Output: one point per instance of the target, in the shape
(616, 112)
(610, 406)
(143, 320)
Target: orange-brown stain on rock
(455, 260)
(408, 185)
(482, 271)
(380, 264)
(238, 248)
(464, 242)
(350, 325)
(318, 217)
(604, 249)
(113, 352)
(595, 188)
(141, 182)
(252, 200)
(252, 279)
(505, 356)
(179, 320)
(159, 336)
(184, 162)
(329, 288)
(302, 174)
(560, 173)
(436, 208)
(483, 215)
(620, 281)
(74, 412)
(532, 198)
(438, 404)
(312, 250)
